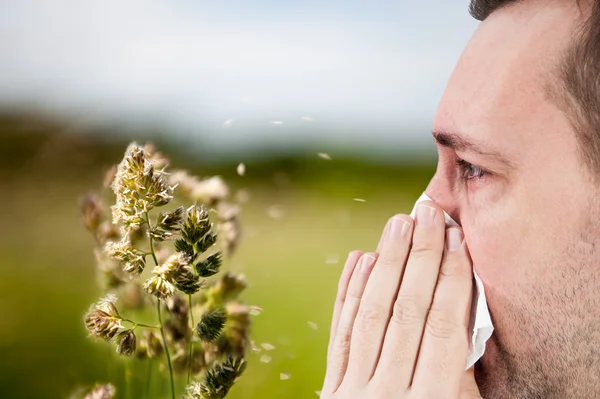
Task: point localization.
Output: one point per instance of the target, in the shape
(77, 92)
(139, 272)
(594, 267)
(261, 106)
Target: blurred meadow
(300, 221)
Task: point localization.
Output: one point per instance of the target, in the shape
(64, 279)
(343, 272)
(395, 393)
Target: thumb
(468, 386)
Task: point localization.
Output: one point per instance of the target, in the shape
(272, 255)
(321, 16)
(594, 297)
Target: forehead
(497, 90)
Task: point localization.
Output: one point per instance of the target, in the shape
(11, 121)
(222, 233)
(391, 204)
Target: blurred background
(271, 84)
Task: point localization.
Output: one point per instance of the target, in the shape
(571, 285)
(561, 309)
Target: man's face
(529, 221)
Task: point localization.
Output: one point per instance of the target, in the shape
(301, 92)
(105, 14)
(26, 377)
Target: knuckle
(381, 391)
(421, 251)
(441, 324)
(390, 258)
(408, 310)
(370, 316)
(455, 267)
(342, 339)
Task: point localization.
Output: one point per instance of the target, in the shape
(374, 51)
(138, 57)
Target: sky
(237, 73)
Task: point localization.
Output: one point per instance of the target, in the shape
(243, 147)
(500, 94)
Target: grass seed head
(159, 286)
(106, 391)
(211, 324)
(126, 343)
(103, 319)
(132, 259)
(139, 187)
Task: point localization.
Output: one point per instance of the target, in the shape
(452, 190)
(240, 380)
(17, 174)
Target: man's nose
(439, 191)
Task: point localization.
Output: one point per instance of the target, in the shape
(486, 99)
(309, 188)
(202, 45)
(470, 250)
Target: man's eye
(469, 171)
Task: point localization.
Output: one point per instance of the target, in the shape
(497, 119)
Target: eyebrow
(458, 143)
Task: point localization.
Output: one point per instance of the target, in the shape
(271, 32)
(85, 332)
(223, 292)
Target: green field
(47, 276)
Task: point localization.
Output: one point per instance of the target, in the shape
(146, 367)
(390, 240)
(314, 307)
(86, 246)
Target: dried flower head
(110, 272)
(148, 346)
(218, 380)
(171, 220)
(208, 191)
(209, 266)
(106, 391)
(211, 324)
(227, 288)
(107, 232)
(178, 240)
(234, 339)
(178, 326)
(181, 359)
(196, 225)
(139, 187)
(229, 225)
(126, 343)
(91, 211)
(159, 287)
(154, 345)
(159, 234)
(103, 319)
(178, 271)
(187, 249)
(132, 259)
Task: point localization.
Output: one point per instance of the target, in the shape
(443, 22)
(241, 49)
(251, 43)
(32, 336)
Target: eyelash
(465, 168)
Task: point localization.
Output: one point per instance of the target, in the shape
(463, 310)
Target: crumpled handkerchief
(480, 324)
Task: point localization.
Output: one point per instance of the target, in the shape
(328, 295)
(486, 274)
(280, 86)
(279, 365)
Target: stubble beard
(560, 327)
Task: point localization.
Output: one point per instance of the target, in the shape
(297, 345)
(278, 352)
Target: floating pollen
(265, 358)
(267, 347)
(332, 259)
(255, 310)
(284, 376)
(241, 169)
(275, 211)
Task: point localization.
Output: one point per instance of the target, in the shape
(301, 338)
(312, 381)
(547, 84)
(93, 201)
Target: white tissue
(480, 324)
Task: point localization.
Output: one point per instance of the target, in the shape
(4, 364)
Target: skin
(531, 226)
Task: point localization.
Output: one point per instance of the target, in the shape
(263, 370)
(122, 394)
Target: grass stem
(162, 330)
(190, 343)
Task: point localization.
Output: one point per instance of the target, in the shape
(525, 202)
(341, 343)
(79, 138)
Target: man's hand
(400, 320)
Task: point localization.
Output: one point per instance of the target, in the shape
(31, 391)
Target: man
(518, 137)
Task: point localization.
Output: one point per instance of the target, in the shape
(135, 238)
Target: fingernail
(398, 227)
(366, 263)
(454, 239)
(425, 215)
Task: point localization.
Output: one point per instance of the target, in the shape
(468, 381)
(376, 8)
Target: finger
(468, 386)
(443, 352)
(337, 360)
(405, 329)
(381, 239)
(376, 304)
(351, 262)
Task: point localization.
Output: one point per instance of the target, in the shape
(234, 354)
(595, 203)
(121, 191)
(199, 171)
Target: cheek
(497, 250)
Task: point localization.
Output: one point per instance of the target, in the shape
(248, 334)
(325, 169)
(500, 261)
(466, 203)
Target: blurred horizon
(237, 75)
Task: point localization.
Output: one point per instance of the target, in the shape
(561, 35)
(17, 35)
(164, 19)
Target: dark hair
(578, 88)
